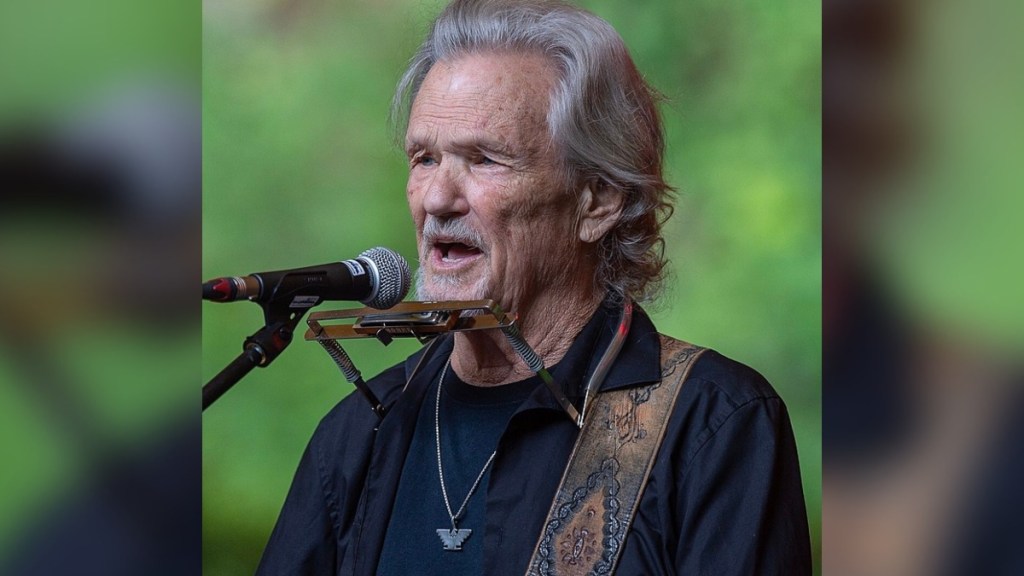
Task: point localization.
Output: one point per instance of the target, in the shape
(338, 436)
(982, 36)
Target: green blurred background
(298, 169)
(98, 354)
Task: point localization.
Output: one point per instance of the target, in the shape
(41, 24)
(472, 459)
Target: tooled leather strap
(607, 471)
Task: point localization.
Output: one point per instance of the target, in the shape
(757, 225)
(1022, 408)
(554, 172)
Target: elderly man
(535, 180)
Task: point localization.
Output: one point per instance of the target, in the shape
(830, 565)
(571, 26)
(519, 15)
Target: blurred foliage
(94, 371)
(299, 169)
(53, 54)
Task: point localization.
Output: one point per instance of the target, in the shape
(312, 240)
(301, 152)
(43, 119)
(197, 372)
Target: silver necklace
(455, 537)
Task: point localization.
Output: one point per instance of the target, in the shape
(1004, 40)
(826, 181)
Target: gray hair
(603, 117)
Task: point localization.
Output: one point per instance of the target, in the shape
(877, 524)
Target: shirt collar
(638, 361)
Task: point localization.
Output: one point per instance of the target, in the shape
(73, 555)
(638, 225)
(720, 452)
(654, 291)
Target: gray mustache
(451, 230)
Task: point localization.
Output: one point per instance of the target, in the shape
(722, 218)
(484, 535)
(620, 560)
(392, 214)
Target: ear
(599, 209)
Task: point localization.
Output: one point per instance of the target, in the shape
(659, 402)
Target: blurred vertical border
(100, 175)
(923, 335)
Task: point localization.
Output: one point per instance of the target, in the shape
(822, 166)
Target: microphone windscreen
(393, 277)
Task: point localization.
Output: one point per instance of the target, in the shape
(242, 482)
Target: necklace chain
(440, 469)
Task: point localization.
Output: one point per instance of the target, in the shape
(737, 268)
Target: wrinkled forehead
(500, 92)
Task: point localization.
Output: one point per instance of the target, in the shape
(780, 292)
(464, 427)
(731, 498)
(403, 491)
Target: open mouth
(455, 251)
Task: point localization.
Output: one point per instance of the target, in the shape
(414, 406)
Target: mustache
(452, 230)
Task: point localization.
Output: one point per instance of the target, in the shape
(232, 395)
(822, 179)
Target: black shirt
(724, 495)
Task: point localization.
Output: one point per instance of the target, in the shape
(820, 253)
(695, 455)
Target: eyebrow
(413, 145)
(469, 145)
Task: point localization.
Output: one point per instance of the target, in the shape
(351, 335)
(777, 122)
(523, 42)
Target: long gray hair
(603, 117)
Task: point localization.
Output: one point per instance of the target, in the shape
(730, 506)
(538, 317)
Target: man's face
(493, 219)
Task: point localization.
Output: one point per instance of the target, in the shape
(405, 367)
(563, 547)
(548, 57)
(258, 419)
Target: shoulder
(356, 408)
(724, 402)
(348, 428)
(728, 476)
(736, 383)
(715, 374)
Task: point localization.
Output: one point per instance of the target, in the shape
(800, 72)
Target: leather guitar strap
(607, 471)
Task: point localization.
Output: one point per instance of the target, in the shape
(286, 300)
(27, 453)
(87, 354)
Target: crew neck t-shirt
(471, 420)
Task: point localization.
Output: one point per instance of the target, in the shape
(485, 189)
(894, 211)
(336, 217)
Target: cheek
(415, 201)
(412, 197)
(526, 245)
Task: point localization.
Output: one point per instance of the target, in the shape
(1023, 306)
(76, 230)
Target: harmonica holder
(423, 321)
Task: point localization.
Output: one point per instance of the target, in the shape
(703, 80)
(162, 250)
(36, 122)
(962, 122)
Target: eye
(423, 160)
(486, 161)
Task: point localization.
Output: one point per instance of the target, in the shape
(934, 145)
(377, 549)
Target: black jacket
(724, 496)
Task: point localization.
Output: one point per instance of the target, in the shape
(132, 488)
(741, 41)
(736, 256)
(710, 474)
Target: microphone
(379, 278)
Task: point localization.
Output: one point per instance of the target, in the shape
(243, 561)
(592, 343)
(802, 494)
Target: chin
(438, 287)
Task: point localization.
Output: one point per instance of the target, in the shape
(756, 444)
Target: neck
(487, 359)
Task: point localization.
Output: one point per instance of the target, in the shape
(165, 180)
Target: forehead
(499, 94)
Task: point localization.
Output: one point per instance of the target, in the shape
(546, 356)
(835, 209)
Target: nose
(443, 191)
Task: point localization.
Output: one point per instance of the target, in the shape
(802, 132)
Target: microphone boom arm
(259, 349)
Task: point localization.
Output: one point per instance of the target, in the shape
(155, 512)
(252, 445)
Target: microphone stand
(259, 349)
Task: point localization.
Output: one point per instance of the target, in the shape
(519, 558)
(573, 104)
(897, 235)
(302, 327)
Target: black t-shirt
(472, 420)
